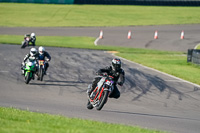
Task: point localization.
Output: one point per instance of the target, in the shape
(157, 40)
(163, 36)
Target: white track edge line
(95, 42)
(196, 46)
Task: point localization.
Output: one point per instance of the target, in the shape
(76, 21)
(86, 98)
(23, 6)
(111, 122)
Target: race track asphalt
(148, 99)
(141, 36)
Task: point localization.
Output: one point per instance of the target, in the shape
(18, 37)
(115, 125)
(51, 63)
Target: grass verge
(174, 63)
(198, 47)
(17, 121)
(51, 15)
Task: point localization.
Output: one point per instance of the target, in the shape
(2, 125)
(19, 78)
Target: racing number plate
(108, 83)
(41, 62)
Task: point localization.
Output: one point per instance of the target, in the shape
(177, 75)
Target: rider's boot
(22, 69)
(22, 72)
(45, 69)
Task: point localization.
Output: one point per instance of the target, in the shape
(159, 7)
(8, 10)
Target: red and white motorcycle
(99, 96)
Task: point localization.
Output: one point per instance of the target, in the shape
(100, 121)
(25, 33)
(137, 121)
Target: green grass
(174, 63)
(171, 63)
(18, 121)
(55, 41)
(50, 15)
(198, 47)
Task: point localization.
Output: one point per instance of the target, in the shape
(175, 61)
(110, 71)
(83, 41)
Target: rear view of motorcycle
(99, 96)
(30, 69)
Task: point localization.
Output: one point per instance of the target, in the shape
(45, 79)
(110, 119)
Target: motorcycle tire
(103, 100)
(28, 78)
(89, 105)
(41, 73)
(23, 44)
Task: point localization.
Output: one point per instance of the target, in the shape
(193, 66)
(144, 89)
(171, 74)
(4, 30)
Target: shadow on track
(59, 83)
(140, 83)
(64, 81)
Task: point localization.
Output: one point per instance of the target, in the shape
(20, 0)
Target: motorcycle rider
(42, 55)
(32, 38)
(32, 55)
(114, 70)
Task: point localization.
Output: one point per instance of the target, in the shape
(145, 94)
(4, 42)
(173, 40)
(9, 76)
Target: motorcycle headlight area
(29, 63)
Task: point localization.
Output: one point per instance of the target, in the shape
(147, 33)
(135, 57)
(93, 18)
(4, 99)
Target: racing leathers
(118, 75)
(32, 39)
(31, 58)
(43, 57)
(37, 57)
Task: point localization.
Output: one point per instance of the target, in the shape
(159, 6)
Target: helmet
(33, 51)
(116, 63)
(32, 34)
(41, 50)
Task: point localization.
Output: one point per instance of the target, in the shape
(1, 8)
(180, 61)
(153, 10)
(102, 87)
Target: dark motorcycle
(25, 43)
(41, 69)
(27, 40)
(100, 94)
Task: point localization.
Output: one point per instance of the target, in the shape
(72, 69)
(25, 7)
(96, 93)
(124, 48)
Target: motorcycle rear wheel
(89, 105)
(23, 44)
(41, 73)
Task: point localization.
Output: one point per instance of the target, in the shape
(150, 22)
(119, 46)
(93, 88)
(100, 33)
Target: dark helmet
(116, 63)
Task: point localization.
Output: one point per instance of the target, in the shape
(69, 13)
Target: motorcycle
(30, 69)
(25, 43)
(41, 69)
(99, 96)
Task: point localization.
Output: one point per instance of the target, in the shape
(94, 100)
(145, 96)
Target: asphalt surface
(141, 37)
(148, 98)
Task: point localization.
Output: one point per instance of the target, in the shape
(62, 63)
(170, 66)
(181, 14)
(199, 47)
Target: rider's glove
(120, 83)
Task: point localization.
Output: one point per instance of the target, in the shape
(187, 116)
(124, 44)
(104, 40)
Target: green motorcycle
(30, 70)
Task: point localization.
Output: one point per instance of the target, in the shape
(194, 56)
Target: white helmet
(41, 50)
(32, 34)
(33, 51)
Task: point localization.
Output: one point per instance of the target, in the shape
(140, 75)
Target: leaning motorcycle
(99, 96)
(25, 43)
(30, 69)
(41, 69)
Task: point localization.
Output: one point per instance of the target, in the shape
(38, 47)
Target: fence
(115, 2)
(142, 2)
(41, 1)
(193, 56)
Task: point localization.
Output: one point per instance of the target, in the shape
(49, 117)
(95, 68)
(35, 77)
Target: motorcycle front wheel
(28, 77)
(103, 100)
